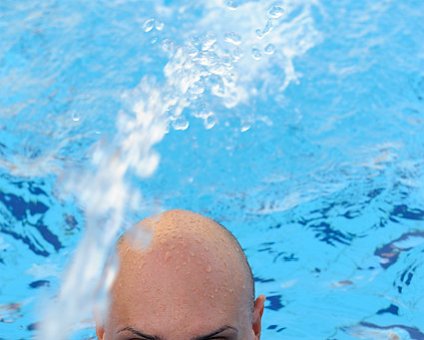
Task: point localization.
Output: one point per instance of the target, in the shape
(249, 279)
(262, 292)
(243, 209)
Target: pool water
(297, 124)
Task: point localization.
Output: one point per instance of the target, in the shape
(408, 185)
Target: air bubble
(180, 123)
(207, 58)
(232, 38)
(191, 50)
(148, 25)
(237, 54)
(275, 11)
(256, 53)
(231, 4)
(228, 62)
(245, 127)
(159, 25)
(217, 86)
(268, 27)
(219, 69)
(210, 121)
(196, 89)
(231, 100)
(208, 43)
(269, 49)
(76, 117)
(167, 45)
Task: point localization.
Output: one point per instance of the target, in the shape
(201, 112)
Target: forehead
(165, 287)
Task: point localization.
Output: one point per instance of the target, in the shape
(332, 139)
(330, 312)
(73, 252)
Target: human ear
(258, 311)
(100, 332)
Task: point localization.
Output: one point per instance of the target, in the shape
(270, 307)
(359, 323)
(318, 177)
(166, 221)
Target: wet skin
(189, 283)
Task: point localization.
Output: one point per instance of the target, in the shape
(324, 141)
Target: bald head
(190, 282)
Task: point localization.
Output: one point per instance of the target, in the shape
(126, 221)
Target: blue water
(317, 165)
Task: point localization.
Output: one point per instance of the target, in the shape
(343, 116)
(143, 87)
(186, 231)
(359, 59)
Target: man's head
(191, 282)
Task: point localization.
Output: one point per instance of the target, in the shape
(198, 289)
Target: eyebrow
(139, 333)
(202, 337)
(214, 333)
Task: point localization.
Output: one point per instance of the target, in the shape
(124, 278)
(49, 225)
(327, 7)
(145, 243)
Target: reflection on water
(297, 124)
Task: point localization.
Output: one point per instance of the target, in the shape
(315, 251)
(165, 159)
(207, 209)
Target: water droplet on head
(148, 25)
(208, 268)
(232, 38)
(269, 49)
(275, 11)
(256, 53)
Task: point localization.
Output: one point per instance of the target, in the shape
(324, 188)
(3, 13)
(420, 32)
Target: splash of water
(198, 69)
(104, 195)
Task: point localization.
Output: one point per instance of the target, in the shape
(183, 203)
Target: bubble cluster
(231, 4)
(269, 49)
(256, 53)
(233, 38)
(148, 25)
(180, 123)
(198, 69)
(151, 24)
(276, 11)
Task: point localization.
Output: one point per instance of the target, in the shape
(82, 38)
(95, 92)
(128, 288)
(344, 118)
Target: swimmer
(191, 282)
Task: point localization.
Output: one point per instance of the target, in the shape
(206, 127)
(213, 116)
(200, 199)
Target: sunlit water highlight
(296, 121)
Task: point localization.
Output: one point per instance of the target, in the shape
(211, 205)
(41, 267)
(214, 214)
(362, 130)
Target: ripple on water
(390, 252)
(391, 332)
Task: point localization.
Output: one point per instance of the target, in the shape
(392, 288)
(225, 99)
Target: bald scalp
(186, 243)
(247, 268)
